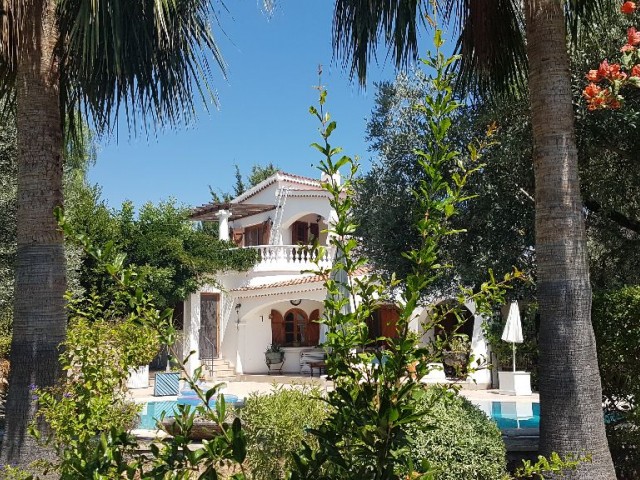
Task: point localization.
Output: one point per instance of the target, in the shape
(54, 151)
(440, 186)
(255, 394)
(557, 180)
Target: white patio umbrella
(513, 329)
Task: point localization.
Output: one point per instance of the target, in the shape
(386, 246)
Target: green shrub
(5, 346)
(6, 319)
(616, 324)
(276, 426)
(458, 439)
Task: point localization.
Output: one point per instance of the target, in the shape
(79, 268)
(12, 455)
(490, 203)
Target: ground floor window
(295, 328)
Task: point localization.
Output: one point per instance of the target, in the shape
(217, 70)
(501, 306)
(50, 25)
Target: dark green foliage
(458, 439)
(260, 173)
(8, 187)
(172, 254)
(498, 223)
(276, 425)
(608, 148)
(500, 220)
(616, 323)
(5, 346)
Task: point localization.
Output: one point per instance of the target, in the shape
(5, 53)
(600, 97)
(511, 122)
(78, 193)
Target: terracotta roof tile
(295, 281)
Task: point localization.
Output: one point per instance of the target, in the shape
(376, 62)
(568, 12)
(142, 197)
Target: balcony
(289, 258)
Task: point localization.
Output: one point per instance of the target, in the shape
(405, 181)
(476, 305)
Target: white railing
(290, 257)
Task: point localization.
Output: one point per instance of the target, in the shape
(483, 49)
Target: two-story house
(230, 322)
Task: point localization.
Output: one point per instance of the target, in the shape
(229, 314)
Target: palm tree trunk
(39, 317)
(570, 391)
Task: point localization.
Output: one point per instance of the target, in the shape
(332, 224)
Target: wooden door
(209, 314)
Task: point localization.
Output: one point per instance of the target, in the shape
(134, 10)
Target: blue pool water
(152, 411)
(505, 414)
(514, 414)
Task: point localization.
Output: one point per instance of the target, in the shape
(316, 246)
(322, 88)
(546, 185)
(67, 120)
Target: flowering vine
(603, 90)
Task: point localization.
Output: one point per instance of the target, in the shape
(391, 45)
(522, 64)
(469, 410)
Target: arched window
(295, 328)
(296, 323)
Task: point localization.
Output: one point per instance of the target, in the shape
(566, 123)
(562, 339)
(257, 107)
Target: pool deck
(261, 384)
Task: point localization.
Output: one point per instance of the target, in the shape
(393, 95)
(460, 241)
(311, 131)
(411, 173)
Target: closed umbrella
(513, 329)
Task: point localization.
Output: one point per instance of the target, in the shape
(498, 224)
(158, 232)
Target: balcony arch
(302, 228)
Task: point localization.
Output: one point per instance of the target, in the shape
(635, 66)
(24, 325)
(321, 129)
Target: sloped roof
(309, 183)
(239, 209)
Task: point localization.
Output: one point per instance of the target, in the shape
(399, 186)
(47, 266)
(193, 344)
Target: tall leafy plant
(376, 394)
(88, 412)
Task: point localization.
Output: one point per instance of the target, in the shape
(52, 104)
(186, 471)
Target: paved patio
(245, 385)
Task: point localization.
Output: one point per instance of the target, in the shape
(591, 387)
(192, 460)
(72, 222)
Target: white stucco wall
(254, 335)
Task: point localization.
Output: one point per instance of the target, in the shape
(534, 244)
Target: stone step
(219, 368)
(216, 362)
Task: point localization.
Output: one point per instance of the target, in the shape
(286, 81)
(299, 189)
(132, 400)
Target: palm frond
(584, 13)
(359, 25)
(491, 45)
(146, 58)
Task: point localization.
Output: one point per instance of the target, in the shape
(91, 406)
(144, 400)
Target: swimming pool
(505, 414)
(512, 414)
(152, 411)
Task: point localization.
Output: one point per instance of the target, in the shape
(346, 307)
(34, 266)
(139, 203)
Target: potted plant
(168, 382)
(456, 355)
(273, 355)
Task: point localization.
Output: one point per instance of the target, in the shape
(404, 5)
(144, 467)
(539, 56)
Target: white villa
(230, 325)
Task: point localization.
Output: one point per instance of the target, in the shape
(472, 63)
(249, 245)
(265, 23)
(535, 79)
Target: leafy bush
(616, 323)
(6, 319)
(5, 346)
(458, 439)
(276, 426)
(91, 398)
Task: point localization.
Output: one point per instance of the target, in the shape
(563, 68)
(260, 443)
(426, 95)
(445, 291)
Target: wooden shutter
(266, 232)
(300, 233)
(388, 321)
(314, 231)
(277, 327)
(238, 234)
(313, 329)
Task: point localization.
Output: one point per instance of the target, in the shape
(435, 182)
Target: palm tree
(58, 58)
(492, 41)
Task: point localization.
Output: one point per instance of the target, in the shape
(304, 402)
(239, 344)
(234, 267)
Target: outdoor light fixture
(238, 306)
(318, 218)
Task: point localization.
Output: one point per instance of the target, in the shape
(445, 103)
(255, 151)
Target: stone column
(223, 224)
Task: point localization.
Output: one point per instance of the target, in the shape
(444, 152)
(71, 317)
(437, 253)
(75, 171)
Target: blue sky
(263, 114)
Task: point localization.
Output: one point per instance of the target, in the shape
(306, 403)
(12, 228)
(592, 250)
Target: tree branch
(617, 217)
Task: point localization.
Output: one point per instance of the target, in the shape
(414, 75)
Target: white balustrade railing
(291, 256)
